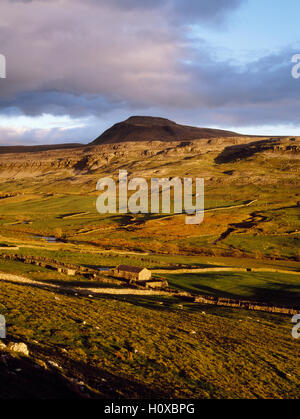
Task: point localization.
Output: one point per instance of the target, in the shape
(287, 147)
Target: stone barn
(132, 273)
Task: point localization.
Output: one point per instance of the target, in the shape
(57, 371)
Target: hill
(147, 128)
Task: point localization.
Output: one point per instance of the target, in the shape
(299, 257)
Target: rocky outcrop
(20, 348)
(84, 165)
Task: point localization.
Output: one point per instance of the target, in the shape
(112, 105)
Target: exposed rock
(53, 364)
(19, 347)
(41, 364)
(2, 345)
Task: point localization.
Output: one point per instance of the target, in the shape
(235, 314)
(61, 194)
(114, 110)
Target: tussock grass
(230, 356)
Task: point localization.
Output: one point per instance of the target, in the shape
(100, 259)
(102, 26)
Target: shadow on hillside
(22, 378)
(242, 151)
(286, 295)
(275, 293)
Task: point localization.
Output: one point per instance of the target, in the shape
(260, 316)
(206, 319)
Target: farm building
(132, 273)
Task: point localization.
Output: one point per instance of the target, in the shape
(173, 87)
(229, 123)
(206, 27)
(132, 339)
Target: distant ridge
(148, 128)
(36, 148)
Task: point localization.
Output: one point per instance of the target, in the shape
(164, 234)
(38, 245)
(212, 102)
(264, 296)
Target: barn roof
(126, 268)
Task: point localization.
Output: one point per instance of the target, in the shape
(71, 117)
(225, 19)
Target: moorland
(134, 345)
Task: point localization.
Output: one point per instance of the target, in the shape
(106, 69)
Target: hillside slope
(146, 128)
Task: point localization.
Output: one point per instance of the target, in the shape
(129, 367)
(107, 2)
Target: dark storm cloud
(263, 81)
(94, 57)
(264, 92)
(57, 103)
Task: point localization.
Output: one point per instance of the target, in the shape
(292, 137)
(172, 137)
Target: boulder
(19, 347)
(2, 345)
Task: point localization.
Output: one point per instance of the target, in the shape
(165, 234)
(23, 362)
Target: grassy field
(274, 288)
(156, 351)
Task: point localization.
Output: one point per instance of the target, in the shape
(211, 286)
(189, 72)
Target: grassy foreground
(156, 350)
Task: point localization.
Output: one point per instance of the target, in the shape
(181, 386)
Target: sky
(76, 67)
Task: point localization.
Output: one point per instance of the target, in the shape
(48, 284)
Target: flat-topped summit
(149, 128)
(146, 121)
